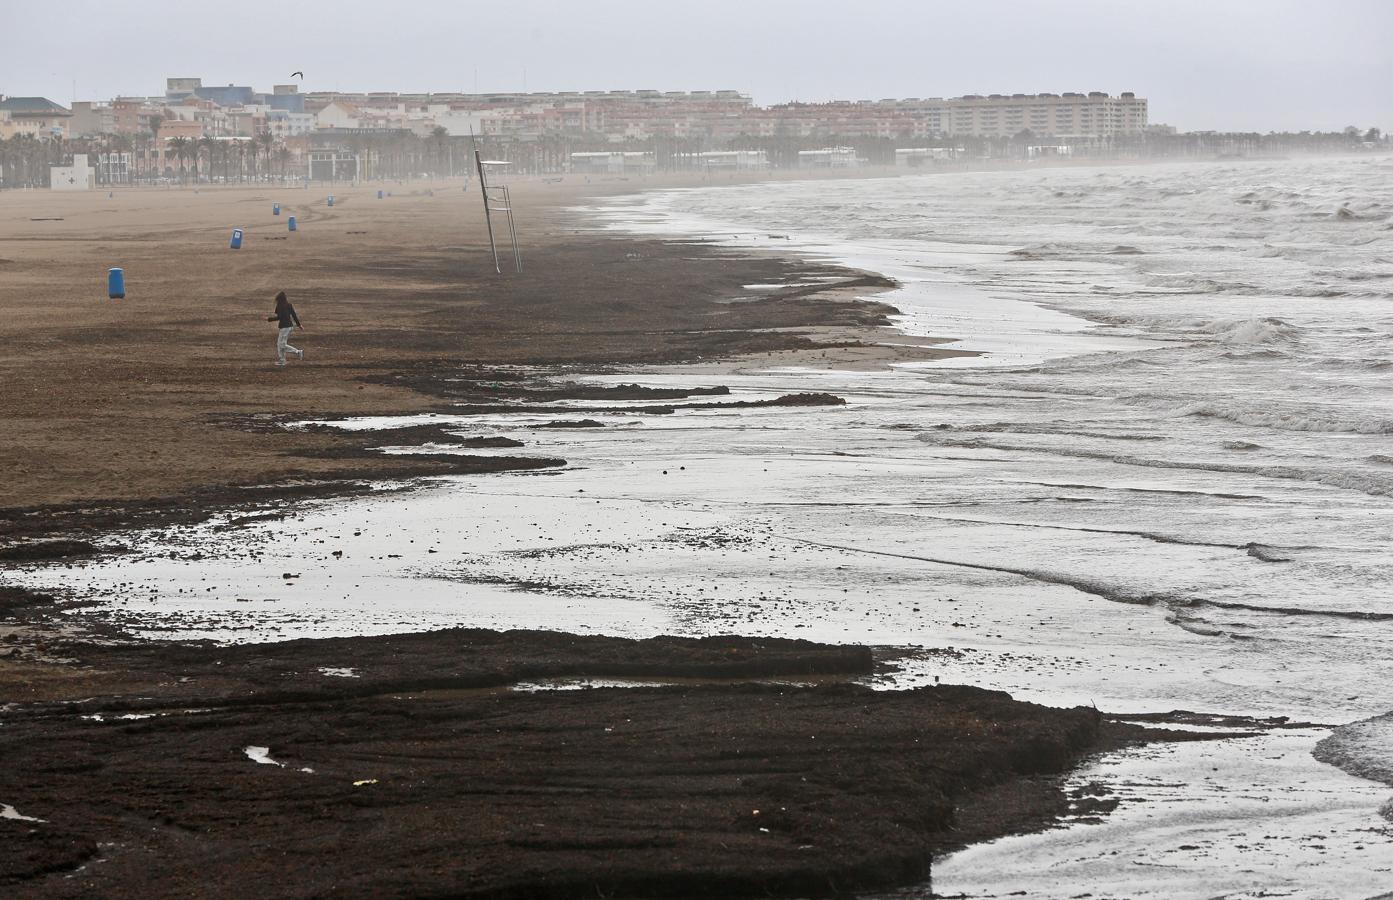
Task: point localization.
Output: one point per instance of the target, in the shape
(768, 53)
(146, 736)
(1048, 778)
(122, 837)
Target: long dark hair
(281, 301)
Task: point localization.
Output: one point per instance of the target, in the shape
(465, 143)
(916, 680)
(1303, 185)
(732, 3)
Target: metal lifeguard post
(496, 199)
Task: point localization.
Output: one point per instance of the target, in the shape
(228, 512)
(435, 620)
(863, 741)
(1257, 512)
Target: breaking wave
(1374, 485)
(1299, 419)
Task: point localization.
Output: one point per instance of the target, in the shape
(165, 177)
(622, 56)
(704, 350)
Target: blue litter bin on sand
(275, 209)
(291, 223)
(236, 242)
(331, 199)
(379, 195)
(116, 284)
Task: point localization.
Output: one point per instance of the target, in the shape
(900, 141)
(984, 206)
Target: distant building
(231, 95)
(179, 88)
(91, 119)
(115, 168)
(286, 97)
(333, 165)
(338, 114)
(286, 124)
(37, 116)
(1092, 115)
(1095, 114)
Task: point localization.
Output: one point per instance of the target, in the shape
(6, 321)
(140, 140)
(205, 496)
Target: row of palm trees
(25, 159)
(240, 159)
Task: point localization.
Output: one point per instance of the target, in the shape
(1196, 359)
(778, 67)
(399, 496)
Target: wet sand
(166, 407)
(410, 766)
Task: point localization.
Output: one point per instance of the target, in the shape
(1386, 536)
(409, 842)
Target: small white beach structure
(77, 177)
(914, 157)
(613, 162)
(725, 160)
(829, 158)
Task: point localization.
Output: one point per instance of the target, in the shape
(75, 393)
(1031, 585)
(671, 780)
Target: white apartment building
(1094, 114)
(285, 124)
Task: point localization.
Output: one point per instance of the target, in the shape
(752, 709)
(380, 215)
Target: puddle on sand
(262, 756)
(9, 812)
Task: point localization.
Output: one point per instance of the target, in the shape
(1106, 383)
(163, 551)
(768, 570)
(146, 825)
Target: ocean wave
(1373, 364)
(1259, 330)
(1344, 479)
(1254, 331)
(1290, 419)
(1042, 428)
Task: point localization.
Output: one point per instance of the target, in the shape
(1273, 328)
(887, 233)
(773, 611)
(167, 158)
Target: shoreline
(776, 325)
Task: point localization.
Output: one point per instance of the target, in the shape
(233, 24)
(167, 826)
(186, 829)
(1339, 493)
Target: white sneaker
(301, 352)
(280, 362)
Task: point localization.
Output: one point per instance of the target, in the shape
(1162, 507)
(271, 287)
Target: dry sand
(127, 399)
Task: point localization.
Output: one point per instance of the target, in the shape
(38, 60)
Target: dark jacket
(285, 316)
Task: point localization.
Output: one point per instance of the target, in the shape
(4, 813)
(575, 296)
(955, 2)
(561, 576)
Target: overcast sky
(1203, 64)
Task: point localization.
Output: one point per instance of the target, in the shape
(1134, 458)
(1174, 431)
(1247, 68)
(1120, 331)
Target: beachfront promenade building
(563, 131)
(698, 121)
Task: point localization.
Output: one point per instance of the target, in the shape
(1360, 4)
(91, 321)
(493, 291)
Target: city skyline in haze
(1240, 65)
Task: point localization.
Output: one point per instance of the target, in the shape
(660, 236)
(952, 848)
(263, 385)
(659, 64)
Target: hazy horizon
(1245, 65)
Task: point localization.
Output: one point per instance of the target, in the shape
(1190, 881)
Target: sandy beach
(165, 407)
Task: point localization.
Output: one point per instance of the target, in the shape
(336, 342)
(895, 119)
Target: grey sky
(1222, 64)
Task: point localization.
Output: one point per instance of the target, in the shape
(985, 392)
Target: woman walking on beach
(288, 322)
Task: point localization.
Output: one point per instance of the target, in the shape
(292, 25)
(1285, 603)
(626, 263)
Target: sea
(1159, 479)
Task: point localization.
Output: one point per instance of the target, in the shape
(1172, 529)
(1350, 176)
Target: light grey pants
(283, 344)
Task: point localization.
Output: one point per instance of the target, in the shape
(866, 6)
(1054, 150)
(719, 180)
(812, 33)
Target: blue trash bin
(236, 242)
(379, 195)
(331, 199)
(275, 209)
(291, 223)
(116, 284)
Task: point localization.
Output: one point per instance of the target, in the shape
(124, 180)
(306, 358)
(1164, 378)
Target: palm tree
(265, 140)
(205, 146)
(239, 149)
(180, 146)
(439, 136)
